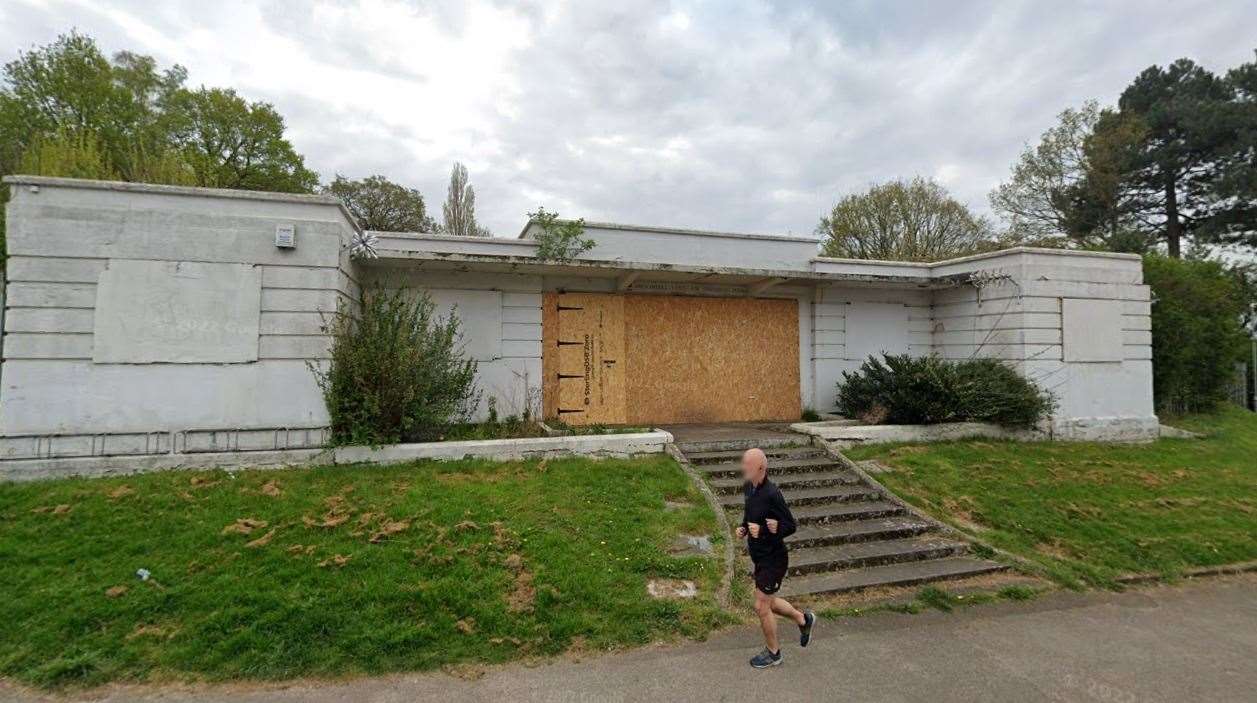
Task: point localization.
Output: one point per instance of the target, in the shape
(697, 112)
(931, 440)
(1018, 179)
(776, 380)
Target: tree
(1038, 198)
(233, 143)
(459, 209)
(66, 110)
(559, 240)
(382, 205)
(1188, 142)
(909, 221)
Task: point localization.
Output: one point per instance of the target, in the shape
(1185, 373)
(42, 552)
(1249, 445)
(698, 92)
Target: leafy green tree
(1197, 331)
(382, 205)
(233, 143)
(913, 220)
(1189, 130)
(1038, 198)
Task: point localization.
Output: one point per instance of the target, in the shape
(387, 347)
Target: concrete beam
(760, 287)
(622, 284)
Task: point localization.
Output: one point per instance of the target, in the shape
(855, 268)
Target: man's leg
(767, 619)
(783, 608)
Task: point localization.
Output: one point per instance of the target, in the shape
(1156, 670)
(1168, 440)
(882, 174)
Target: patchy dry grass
(1087, 513)
(342, 571)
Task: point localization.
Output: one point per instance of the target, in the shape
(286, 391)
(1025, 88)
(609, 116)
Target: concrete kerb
(609, 445)
(1022, 564)
(847, 433)
(726, 580)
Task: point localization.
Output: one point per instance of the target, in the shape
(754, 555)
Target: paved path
(1192, 642)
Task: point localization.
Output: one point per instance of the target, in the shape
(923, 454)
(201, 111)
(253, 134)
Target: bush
(397, 372)
(907, 390)
(1197, 332)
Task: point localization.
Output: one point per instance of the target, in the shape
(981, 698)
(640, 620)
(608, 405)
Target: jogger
(766, 522)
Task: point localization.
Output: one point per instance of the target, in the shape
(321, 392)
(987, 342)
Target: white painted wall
(81, 251)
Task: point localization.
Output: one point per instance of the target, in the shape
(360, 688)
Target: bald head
(754, 465)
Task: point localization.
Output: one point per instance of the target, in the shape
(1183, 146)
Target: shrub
(1197, 332)
(397, 372)
(901, 389)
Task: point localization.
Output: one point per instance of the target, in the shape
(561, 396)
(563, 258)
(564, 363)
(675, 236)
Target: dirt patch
(244, 526)
(61, 509)
(523, 594)
(467, 626)
(120, 492)
(1055, 549)
(271, 488)
(389, 528)
(116, 592)
(154, 631)
(261, 541)
(671, 588)
(336, 560)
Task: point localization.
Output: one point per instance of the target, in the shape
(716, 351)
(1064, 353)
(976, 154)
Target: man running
(766, 522)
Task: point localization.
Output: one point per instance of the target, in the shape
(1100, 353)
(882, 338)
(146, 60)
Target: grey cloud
(755, 117)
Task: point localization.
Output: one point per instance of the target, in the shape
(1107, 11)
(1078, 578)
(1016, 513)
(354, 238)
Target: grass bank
(342, 571)
(1088, 513)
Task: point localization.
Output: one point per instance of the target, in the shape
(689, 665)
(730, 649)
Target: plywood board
(693, 359)
(549, 355)
(588, 358)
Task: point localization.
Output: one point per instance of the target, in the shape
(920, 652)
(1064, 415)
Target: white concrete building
(144, 319)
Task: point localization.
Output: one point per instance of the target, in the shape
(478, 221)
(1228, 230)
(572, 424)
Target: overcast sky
(742, 116)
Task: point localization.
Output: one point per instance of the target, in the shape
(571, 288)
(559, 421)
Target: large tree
(913, 220)
(459, 210)
(233, 143)
(382, 205)
(1189, 141)
(1038, 198)
(67, 110)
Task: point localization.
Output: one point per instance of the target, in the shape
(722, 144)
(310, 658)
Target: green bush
(906, 390)
(1197, 332)
(397, 372)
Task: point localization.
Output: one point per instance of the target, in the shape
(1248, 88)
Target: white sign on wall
(177, 312)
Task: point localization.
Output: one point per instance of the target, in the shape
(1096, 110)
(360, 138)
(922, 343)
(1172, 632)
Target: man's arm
(785, 520)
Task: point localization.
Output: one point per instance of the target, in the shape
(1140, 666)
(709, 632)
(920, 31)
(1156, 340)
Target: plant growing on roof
(559, 240)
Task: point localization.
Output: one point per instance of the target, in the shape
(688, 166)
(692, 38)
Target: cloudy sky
(742, 116)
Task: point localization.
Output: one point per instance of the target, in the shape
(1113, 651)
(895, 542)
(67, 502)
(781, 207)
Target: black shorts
(768, 575)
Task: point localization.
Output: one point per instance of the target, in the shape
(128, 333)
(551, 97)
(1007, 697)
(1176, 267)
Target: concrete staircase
(850, 536)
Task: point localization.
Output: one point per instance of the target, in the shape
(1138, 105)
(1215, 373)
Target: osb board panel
(549, 355)
(587, 358)
(694, 359)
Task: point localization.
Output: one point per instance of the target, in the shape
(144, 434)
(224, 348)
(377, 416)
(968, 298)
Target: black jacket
(760, 503)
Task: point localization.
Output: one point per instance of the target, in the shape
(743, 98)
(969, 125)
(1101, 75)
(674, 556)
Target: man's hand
(740, 532)
(753, 528)
(772, 525)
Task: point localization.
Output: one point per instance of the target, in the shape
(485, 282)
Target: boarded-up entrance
(669, 359)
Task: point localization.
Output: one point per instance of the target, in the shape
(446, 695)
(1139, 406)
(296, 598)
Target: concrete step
(776, 468)
(862, 554)
(903, 574)
(787, 482)
(735, 455)
(815, 496)
(785, 440)
(822, 534)
(832, 512)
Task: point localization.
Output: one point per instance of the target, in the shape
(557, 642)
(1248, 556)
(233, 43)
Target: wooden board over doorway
(673, 359)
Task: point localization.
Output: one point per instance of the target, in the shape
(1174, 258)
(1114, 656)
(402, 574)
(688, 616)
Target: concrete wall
(851, 323)
(59, 378)
(1100, 373)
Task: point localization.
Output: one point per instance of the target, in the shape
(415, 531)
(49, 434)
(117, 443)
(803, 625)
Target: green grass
(1087, 513)
(473, 562)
